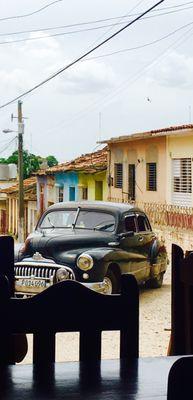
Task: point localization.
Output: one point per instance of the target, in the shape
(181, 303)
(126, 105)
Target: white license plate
(39, 283)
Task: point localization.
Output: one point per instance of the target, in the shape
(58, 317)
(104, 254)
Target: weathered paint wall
(88, 180)
(67, 180)
(31, 216)
(140, 152)
(42, 193)
(181, 237)
(51, 192)
(177, 147)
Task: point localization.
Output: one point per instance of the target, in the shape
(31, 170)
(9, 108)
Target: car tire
(111, 282)
(156, 283)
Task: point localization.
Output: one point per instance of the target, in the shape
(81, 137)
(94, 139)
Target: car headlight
(61, 275)
(85, 262)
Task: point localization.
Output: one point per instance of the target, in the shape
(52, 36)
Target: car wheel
(111, 282)
(156, 283)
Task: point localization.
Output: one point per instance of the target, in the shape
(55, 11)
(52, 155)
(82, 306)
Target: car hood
(52, 243)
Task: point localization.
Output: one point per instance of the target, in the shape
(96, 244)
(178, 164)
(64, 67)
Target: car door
(130, 245)
(137, 246)
(144, 240)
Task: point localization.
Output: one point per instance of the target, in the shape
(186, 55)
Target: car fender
(154, 252)
(17, 248)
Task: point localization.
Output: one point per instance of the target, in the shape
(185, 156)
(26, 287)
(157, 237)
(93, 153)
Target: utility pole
(20, 173)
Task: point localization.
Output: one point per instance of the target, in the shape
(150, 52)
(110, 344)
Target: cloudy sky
(140, 80)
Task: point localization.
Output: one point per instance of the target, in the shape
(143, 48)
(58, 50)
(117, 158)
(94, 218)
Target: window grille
(60, 194)
(151, 176)
(182, 175)
(118, 176)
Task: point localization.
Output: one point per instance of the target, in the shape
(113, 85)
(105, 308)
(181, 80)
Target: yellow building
(84, 178)
(152, 167)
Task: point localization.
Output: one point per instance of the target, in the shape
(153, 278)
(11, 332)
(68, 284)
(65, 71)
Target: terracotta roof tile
(156, 132)
(27, 183)
(88, 163)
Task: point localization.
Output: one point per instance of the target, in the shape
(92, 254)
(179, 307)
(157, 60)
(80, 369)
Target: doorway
(98, 190)
(131, 182)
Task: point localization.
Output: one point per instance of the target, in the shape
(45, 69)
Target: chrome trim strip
(39, 264)
(99, 287)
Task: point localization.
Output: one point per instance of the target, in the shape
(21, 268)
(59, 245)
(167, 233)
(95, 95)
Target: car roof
(97, 205)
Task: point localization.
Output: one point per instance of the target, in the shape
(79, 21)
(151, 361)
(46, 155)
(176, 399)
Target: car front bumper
(33, 277)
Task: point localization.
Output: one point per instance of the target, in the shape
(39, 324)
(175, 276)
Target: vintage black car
(93, 243)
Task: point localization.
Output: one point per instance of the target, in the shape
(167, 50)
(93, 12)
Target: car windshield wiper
(52, 225)
(76, 217)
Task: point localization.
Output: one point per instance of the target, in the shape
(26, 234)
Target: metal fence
(165, 214)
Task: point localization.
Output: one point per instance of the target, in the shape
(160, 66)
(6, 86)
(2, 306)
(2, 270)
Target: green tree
(31, 162)
(51, 160)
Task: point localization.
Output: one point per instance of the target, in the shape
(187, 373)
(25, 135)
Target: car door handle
(140, 239)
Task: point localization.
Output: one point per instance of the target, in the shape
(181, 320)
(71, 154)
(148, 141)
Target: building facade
(8, 176)
(84, 178)
(12, 208)
(152, 167)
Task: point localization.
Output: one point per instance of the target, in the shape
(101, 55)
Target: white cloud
(41, 48)
(174, 72)
(16, 80)
(87, 77)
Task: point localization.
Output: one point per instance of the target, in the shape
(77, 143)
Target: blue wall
(67, 180)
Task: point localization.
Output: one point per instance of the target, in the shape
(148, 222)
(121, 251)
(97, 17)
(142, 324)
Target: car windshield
(83, 219)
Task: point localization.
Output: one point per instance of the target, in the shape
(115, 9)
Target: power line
(8, 145)
(96, 21)
(131, 80)
(120, 19)
(81, 57)
(32, 13)
(79, 24)
(143, 45)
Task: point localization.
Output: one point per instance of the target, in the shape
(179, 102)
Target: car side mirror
(125, 235)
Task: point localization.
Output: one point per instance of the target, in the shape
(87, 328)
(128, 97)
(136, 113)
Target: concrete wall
(140, 152)
(182, 238)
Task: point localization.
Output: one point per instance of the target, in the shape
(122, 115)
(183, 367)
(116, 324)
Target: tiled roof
(88, 163)
(169, 131)
(27, 184)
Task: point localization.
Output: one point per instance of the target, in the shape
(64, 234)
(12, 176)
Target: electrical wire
(8, 145)
(32, 13)
(120, 19)
(72, 32)
(140, 46)
(126, 82)
(81, 57)
(95, 21)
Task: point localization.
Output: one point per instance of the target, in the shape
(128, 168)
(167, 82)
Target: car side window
(143, 223)
(130, 223)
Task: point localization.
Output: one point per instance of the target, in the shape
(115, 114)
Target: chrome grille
(40, 272)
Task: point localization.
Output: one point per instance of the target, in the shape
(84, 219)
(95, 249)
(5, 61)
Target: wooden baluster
(129, 338)
(6, 289)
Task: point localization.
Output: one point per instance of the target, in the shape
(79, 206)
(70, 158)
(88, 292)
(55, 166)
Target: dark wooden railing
(67, 306)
